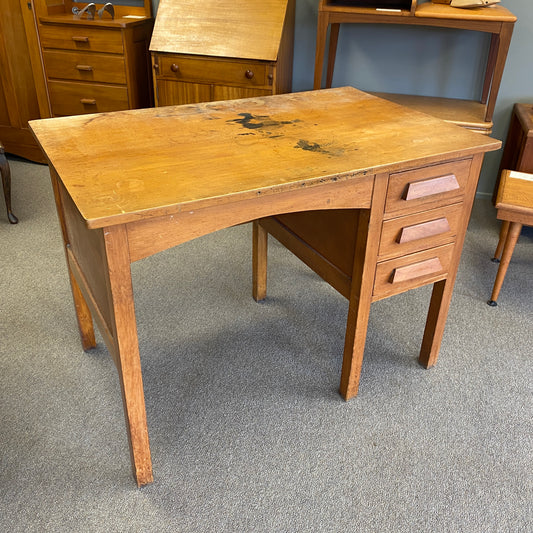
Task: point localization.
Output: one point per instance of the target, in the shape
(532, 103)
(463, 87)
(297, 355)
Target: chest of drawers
(96, 66)
(222, 50)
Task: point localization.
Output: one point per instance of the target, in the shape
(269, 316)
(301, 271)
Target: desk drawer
(413, 233)
(434, 186)
(210, 70)
(85, 66)
(81, 38)
(410, 271)
(71, 98)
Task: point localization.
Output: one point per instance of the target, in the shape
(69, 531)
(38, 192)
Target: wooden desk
(130, 184)
(496, 20)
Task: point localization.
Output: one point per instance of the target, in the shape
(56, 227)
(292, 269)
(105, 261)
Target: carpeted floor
(248, 432)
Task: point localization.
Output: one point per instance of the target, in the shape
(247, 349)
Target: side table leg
(512, 237)
(501, 241)
(332, 53)
(321, 33)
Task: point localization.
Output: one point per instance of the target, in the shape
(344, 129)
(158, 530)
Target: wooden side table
(498, 21)
(6, 184)
(515, 206)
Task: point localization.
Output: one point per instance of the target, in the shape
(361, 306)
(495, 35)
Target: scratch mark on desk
(256, 122)
(315, 147)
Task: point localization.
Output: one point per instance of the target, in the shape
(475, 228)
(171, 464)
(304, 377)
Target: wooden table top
(515, 191)
(128, 165)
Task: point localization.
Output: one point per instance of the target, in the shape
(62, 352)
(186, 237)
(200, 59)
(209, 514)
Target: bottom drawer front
(79, 98)
(414, 270)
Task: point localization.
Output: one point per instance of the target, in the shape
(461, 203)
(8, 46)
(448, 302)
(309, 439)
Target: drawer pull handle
(423, 230)
(429, 187)
(249, 74)
(88, 101)
(174, 67)
(416, 270)
(86, 68)
(80, 39)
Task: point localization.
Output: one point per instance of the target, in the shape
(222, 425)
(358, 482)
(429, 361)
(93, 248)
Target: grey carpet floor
(248, 432)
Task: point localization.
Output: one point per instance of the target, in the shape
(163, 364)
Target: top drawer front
(425, 188)
(183, 68)
(82, 38)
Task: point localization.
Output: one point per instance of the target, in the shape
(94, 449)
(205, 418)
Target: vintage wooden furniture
(403, 210)
(515, 207)
(496, 20)
(6, 184)
(221, 49)
(19, 100)
(518, 147)
(96, 65)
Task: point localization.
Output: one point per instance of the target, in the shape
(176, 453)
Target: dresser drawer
(81, 38)
(413, 233)
(71, 98)
(84, 66)
(425, 188)
(410, 271)
(212, 70)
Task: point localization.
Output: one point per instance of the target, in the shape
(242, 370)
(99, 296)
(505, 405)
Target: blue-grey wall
(427, 61)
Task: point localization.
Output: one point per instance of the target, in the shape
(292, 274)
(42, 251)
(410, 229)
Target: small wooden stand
(498, 21)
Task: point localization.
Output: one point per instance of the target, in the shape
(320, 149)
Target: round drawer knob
(249, 74)
(174, 67)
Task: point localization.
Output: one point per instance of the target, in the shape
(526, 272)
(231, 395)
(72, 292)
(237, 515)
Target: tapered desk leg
(510, 242)
(127, 356)
(259, 261)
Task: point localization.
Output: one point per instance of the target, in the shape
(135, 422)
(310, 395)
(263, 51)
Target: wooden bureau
(221, 50)
(96, 65)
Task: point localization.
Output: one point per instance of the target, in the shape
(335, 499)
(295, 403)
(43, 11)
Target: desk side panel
(88, 261)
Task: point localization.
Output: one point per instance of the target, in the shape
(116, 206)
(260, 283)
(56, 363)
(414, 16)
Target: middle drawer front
(73, 98)
(412, 233)
(85, 66)
(425, 188)
(212, 70)
(77, 37)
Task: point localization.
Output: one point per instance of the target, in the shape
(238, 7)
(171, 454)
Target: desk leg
(127, 356)
(259, 261)
(364, 270)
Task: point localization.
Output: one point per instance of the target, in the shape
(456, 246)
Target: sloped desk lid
(248, 29)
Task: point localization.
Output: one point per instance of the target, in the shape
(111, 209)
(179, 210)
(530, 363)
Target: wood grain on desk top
(127, 165)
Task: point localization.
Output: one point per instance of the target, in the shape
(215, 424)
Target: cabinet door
(177, 93)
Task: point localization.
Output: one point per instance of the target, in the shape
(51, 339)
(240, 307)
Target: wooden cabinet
(97, 65)
(18, 94)
(221, 50)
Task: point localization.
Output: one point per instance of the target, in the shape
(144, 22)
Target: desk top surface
(124, 166)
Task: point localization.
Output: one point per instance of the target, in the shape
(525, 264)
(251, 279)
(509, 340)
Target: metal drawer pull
(88, 101)
(416, 270)
(429, 187)
(423, 230)
(86, 68)
(80, 39)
